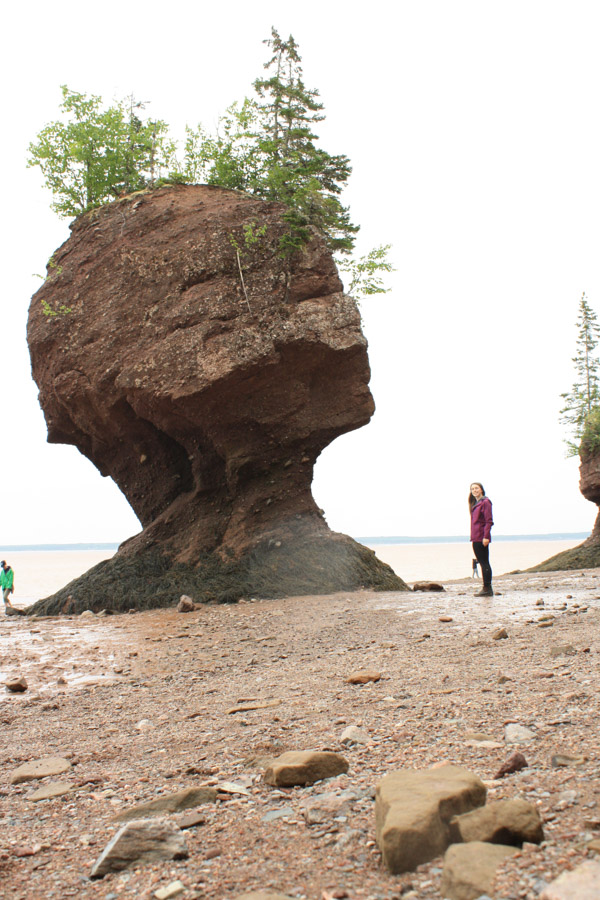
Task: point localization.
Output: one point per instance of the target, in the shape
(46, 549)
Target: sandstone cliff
(587, 554)
(187, 360)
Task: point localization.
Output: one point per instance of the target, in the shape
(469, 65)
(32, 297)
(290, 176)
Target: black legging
(483, 558)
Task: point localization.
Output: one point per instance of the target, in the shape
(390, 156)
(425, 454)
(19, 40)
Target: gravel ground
(141, 706)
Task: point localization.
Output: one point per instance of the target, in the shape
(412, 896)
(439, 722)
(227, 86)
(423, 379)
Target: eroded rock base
(149, 579)
(585, 556)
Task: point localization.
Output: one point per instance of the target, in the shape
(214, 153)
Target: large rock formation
(176, 348)
(587, 554)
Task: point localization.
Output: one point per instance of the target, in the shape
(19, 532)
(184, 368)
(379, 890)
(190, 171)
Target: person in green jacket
(7, 582)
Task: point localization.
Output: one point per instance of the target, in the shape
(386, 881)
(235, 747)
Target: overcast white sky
(474, 135)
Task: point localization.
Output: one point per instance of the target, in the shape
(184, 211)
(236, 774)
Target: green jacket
(7, 577)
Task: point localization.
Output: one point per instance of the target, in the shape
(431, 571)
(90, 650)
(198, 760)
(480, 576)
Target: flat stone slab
(169, 803)
(298, 767)
(50, 791)
(509, 822)
(413, 810)
(40, 768)
(469, 869)
(138, 842)
(582, 883)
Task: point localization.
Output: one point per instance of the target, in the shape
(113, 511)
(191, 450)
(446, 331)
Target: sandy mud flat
(143, 705)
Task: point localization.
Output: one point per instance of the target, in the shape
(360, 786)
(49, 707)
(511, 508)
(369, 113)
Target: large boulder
(205, 373)
(413, 810)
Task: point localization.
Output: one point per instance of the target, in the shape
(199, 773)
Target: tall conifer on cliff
(581, 410)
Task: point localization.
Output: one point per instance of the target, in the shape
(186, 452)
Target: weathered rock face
(205, 382)
(587, 554)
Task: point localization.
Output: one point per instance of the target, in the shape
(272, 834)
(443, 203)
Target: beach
(39, 573)
(142, 707)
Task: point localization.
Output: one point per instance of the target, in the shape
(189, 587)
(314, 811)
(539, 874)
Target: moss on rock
(149, 579)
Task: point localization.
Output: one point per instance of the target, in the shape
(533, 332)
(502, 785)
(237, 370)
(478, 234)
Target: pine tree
(580, 411)
(295, 171)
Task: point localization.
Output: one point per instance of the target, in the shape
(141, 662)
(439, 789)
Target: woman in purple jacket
(481, 534)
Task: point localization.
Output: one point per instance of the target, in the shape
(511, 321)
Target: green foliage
(590, 440)
(365, 273)
(93, 155)
(52, 312)
(266, 146)
(580, 410)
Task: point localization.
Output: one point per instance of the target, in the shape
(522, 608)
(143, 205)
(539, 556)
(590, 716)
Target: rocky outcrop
(587, 554)
(176, 348)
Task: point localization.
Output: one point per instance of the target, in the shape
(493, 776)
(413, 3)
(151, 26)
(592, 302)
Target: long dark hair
(472, 500)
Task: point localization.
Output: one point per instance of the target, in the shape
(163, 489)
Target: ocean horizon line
(464, 538)
(371, 539)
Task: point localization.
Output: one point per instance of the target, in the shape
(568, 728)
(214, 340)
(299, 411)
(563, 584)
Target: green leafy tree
(580, 410)
(93, 155)
(366, 274)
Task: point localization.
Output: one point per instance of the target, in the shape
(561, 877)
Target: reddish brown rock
(207, 400)
(515, 762)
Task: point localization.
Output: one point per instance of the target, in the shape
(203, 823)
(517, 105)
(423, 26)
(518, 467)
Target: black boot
(485, 591)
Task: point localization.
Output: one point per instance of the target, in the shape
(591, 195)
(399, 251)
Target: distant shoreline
(369, 541)
(464, 538)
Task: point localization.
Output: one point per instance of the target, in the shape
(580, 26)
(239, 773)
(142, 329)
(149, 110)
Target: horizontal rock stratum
(189, 361)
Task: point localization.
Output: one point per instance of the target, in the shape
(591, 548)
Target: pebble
(363, 676)
(518, 734)
(16, 685)
(354, 735)
(170, 890)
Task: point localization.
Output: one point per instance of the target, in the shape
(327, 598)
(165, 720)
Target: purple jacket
(481, 520)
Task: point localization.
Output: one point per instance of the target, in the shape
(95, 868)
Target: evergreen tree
(295, 171)
(582, 401)
(93, 155)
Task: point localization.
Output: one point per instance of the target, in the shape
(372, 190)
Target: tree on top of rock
(268, 147)
(303, 176)
(581, 410)
(93, 155)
